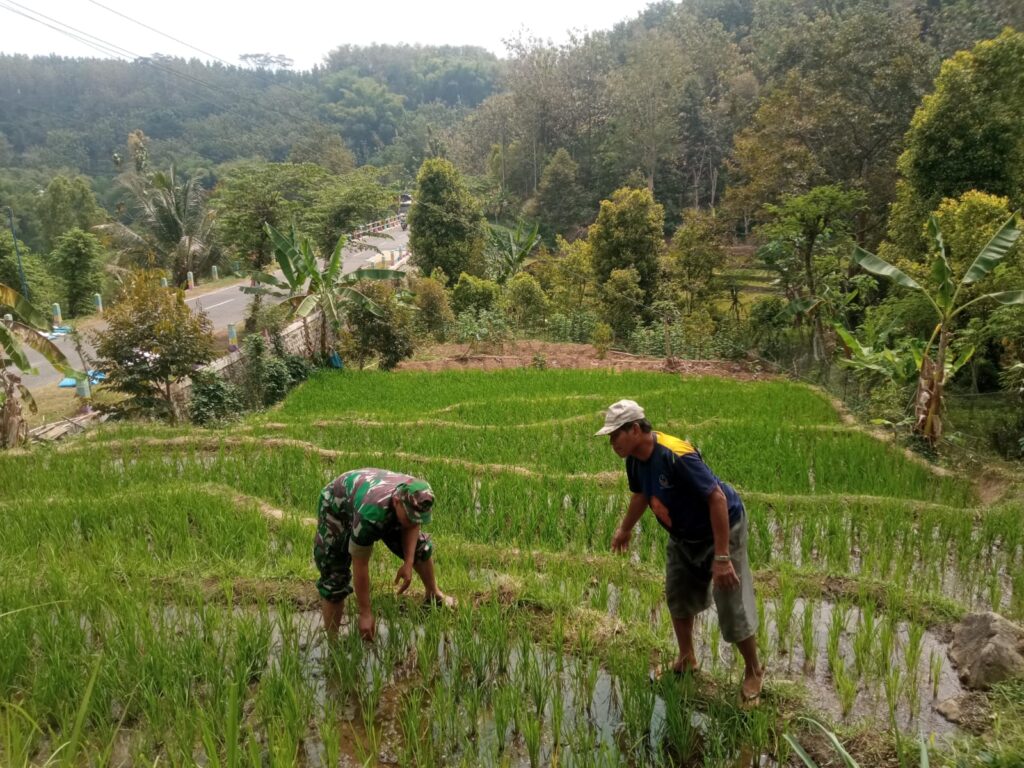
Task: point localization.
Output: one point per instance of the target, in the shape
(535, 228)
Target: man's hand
(404, 577)
(367, 627)
(724, 575)
(620, 540)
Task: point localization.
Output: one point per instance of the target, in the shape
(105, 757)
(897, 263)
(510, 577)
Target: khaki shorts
(689, 588)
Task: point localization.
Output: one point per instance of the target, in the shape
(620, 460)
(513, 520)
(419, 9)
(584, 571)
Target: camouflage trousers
(331, 551)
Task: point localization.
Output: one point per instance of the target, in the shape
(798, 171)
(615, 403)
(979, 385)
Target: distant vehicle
(404, 204)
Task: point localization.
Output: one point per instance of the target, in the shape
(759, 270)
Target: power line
(109, 48)
(159, 32)
(179, 41)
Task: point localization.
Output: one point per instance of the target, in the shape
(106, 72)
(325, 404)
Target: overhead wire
(178, 40)
(112, 49)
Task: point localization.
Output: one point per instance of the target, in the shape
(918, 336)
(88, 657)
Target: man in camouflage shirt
(355, 510)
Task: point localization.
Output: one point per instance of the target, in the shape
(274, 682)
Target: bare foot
(684, 664)
(753, 682)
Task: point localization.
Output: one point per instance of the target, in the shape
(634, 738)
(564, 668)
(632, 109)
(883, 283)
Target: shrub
(213, 399)
(577, 326)
(474, 294)
(602, 339)
(276, 380)
(435, 317)
(152, 340)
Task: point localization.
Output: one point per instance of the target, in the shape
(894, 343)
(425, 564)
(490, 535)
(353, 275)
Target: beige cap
(622, 412)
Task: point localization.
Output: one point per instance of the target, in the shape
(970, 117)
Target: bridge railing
(376, 226)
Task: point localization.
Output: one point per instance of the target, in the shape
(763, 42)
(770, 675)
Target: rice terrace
(158, 605)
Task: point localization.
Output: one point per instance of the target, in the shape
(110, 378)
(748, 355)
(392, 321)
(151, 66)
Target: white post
(214, 274)
(98, 301)
(57, 319)
(191, 281)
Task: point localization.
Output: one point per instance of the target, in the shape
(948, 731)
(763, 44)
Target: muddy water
(788, 664)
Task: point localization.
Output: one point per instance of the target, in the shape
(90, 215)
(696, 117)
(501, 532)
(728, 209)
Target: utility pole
(17, 253)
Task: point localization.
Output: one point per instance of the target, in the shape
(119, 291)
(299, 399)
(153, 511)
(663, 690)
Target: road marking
(214, 306)
(236, 286)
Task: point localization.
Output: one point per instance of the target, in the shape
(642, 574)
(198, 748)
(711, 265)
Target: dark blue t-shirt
(676, 475)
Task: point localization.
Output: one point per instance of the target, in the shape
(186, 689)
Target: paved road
(229, 304)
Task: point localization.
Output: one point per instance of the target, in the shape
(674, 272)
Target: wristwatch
(723, 559)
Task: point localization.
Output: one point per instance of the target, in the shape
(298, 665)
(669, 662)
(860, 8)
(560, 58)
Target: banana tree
(945, 298)
(311, 283)
(509, 250)
(15, 336)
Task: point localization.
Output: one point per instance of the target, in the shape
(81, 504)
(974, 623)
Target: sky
(304, 30)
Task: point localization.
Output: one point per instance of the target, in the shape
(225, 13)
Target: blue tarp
(95, 377)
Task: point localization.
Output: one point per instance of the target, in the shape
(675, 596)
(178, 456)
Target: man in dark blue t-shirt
(707, 526)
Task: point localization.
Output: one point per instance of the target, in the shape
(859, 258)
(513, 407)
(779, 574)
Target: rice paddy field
(158, 606)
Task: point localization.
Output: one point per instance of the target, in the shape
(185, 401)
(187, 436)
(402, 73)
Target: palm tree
(173, 225)
(15, 335)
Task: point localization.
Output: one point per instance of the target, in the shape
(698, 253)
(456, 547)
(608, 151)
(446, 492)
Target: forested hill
(75, 113)
(703, 101)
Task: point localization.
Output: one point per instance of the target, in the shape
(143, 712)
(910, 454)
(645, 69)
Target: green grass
(141, 553)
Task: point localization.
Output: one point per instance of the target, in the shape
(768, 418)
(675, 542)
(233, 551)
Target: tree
(840, 96)
(965, 135)
(78, 260)
(445, 223)
(323, 146)
(366, 110)
(173, 226)
(26, 331)
(804, 228)
(622, 301)
(628, 234)
(945, 298)
(560, 198)
(66, 204)
(383, 329)
(152, 340)
(646, 101)
(525, 302)
(968, 133)
(44, 289)
(694, 255)
(434, 315)
(253, 195)
(344, 203)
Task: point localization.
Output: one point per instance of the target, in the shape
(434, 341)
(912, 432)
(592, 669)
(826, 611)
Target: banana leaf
(373, 274)
(20, 306)
(26, 397)
(994, 251)
(285, 251)
(351, 294)
(801, 306)
(12, 348)
(876, 266)
(1003, 297)
(53, 354)
(307, 305)
(942, 272)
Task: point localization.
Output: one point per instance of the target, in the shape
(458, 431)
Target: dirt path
(525, 354)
